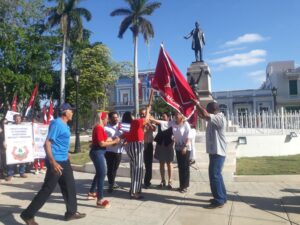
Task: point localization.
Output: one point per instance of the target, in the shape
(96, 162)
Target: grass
(269, 165)
(82, 157)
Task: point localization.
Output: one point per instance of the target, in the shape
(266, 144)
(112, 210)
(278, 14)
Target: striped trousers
(135, 151)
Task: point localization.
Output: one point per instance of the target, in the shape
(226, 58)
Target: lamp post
(77, 132)
(274, 93)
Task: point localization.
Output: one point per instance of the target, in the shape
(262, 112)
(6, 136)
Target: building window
(125, 98)
(293, 87)
(223, 109)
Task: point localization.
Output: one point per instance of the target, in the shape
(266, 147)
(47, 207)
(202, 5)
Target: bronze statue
(198, 41)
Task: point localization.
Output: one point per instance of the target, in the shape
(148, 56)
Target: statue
(198, 41)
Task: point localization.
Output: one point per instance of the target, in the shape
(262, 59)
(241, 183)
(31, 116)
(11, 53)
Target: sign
(18, 138)
(10, 116)
(40, 132)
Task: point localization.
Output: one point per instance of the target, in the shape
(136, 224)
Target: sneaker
(214, 205)
(36, 172)
(92, 196)
(23, 176)
(75, 216)
(29, 221)
(103, 204)
(43, 171)
(146, 186)
(136, 196)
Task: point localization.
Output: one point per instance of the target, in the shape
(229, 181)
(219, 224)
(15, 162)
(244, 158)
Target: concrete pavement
(265, 202)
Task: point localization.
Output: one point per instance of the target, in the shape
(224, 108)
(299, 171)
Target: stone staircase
(198, 171)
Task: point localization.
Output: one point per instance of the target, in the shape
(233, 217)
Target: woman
(100, 141)
(164, 152)
(135, 149)
(180, 129)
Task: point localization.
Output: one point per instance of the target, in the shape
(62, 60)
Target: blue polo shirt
(59, 135)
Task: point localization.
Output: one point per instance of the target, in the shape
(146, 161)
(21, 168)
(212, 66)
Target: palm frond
(124, 25)
(149, 8)
(121, 12)
(146, 29)
(84, 12)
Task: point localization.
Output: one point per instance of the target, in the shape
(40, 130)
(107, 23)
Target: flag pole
(150, 98)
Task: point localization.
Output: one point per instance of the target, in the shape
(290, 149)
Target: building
(279, 90)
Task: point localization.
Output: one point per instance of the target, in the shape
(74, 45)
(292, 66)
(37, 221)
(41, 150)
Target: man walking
(216, 148)
(59, 169)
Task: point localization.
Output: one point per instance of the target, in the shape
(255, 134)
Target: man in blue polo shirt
(59, 169)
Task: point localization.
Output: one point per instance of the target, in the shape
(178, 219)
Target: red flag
(31, 100)
(172, 85)
(50, 113)
(14, 104)
(45, 119)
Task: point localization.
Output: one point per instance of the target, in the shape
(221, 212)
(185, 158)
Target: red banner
(51, 112)
(14, 104)
(172, 85)
(31, 100)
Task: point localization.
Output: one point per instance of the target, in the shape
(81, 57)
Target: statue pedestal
(199, 78)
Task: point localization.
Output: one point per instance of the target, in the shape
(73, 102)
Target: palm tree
(134, 18)
(69, 18)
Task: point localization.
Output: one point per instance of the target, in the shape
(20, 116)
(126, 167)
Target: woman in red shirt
(135, 150)
(100, 141)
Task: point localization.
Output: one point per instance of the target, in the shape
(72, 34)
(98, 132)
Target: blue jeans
(11, 169)
(98, 158)
(217, 186)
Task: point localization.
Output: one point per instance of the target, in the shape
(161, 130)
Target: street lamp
(274, 93)
(77, 132)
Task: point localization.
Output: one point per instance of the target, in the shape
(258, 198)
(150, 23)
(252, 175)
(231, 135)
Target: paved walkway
(253, 203)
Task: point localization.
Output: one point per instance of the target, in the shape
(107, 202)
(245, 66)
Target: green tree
(96, 74)
(159, 106)
(26, 54)
(69, 18)
(135, 19)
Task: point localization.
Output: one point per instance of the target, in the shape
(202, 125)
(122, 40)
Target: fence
(264, 123)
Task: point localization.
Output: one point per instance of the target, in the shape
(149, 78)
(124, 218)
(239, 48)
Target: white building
(279, 90)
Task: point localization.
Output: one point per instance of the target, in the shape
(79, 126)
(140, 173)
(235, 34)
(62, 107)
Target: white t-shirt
(180, 132)
(215, 135)
(114, 131)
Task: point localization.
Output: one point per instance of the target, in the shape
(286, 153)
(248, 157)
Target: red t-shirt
(98, 135)
(136, 132)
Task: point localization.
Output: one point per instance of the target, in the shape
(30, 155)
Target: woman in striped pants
(135, 149)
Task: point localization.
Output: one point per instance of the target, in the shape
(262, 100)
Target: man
(113, 153)
(22, 166)
(216, 148)
(59, 169)
(198, 41)
(148, 150)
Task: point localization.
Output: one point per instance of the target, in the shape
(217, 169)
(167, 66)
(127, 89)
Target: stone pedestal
(199, 78)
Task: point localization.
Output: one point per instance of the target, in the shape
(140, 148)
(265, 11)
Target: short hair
(167, 113)
(110, 114)
(212, 107)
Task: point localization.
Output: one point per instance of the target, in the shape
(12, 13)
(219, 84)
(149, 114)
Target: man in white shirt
(113, 153)
(216, 148)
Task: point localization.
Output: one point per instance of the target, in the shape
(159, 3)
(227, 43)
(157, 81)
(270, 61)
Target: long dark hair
(127, 117)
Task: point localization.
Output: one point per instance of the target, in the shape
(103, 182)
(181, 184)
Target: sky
(242, 36)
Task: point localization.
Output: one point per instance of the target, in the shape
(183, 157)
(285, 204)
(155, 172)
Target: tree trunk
(136, 76)
(62, 72)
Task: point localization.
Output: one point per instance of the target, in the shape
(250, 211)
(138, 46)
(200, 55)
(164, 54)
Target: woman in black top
(164, 152)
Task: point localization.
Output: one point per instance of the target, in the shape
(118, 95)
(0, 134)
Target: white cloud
(228, 50)
(240, 60)
(246, 38)
(258, 76)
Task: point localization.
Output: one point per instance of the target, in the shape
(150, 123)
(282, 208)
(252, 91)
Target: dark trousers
(148, 160)
(113, 161)
(183, 169)
(67, 185)
(217, 186)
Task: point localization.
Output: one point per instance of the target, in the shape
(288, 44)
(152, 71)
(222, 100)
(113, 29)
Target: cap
(65, 106)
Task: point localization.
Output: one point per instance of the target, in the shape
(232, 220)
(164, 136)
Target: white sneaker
(43, 171)
(36, 172)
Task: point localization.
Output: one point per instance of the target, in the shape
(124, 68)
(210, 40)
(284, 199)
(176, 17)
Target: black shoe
(146, 186)
(192, 162)
(75, 216)
(214, 206)
(28, 221)
(136, 196)
(212, 200)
